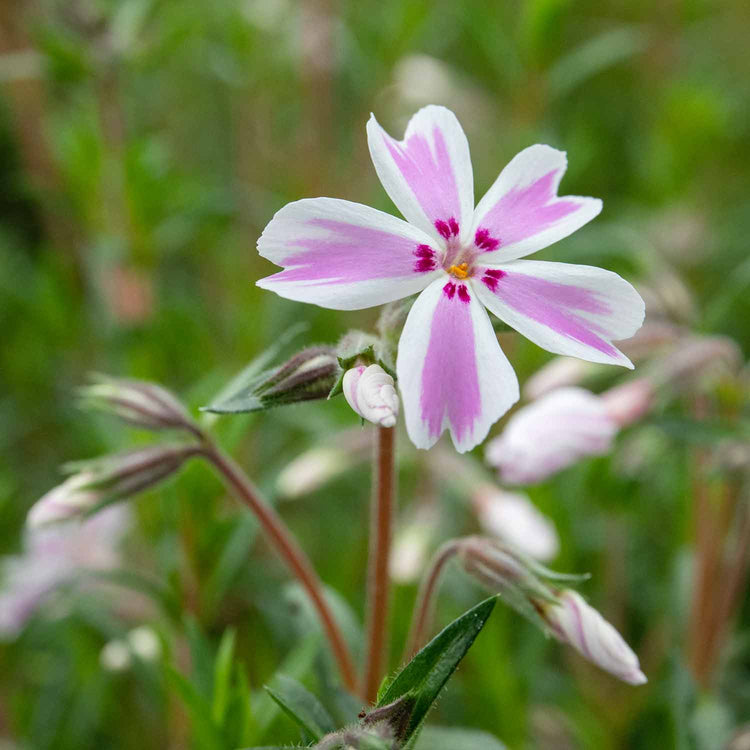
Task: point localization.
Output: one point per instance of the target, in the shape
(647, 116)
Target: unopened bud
(513, 518)
(106, 479)
(139, 403)
(573, 621)
(371, 393)
(629, 402)
(496, 566)
(551, 434)
(308, 375)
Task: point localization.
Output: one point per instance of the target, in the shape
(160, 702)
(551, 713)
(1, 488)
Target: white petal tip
(636, 678)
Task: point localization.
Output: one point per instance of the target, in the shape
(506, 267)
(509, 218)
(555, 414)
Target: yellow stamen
(460, 272)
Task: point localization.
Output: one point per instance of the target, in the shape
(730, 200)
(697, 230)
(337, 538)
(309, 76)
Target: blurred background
(144, 145)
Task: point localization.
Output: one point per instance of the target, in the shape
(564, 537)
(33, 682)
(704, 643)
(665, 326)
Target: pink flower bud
(551, 434)
(371, 393)
(513, 518)
(628, 402)
(576, 623)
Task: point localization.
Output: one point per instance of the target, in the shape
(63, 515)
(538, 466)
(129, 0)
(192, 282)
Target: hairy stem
(381, 523)
(289, 550)
(425, 603)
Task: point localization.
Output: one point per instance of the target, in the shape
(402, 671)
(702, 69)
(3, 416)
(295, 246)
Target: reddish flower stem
(425, 603)
(290, 551)
(381, 524)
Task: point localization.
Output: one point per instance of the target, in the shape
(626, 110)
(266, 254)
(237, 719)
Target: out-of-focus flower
(563, 427)
(130, 294)
(309, 471)
(411, 545)
(697, 360)
(144, 643)
(651, 338)
(315, 467)
(551, 434)
(578, 624)
(513, 518)
(370, 392)
(462, 259)
(557, 373)
(53, 556)
(108, 478)
(139, 403)
(115, 656)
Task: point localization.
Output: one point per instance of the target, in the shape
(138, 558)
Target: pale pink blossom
(514, 519)
(371, 393)
(451, 371)
(557, 373)
(551, 434)
(573, 621)
(53, 556)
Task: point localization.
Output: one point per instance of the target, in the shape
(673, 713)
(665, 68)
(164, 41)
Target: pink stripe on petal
(450, 384)
(554, 305)
(524, 212)
(429, 175)
(351, 253)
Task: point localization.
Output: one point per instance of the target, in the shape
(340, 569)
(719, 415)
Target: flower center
(460, 271)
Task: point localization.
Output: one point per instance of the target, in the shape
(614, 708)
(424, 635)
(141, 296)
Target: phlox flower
(54, 556)
(461, 259)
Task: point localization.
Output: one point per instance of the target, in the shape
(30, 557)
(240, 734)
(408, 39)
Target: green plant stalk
(378, 589)
(289, 550)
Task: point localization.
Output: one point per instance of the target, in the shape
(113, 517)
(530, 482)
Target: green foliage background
(146, 143)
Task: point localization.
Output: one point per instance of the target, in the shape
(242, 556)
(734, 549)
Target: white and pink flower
(451, 371)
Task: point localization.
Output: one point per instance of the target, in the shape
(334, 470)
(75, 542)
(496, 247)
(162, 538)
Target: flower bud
(308, 375)
(109, 478)
(628, 402)
(557, 373)
(371, 393)
(573, 621)
(139, 403)
(513, 518)
(551, 434)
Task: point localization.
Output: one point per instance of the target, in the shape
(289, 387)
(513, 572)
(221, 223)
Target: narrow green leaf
(301, 706)
(205, 731)
(422, 679)
(223, 676)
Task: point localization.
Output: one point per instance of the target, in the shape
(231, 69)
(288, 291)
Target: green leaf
(206, 733)
(421, 680)
(251, 374)
(449, 738)
(223, 676)
(301, 706)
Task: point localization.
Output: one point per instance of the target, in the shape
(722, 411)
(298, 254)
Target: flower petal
(344, 255)
(565, 308)
(427, 175)
(451, 370)
(521, 212)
